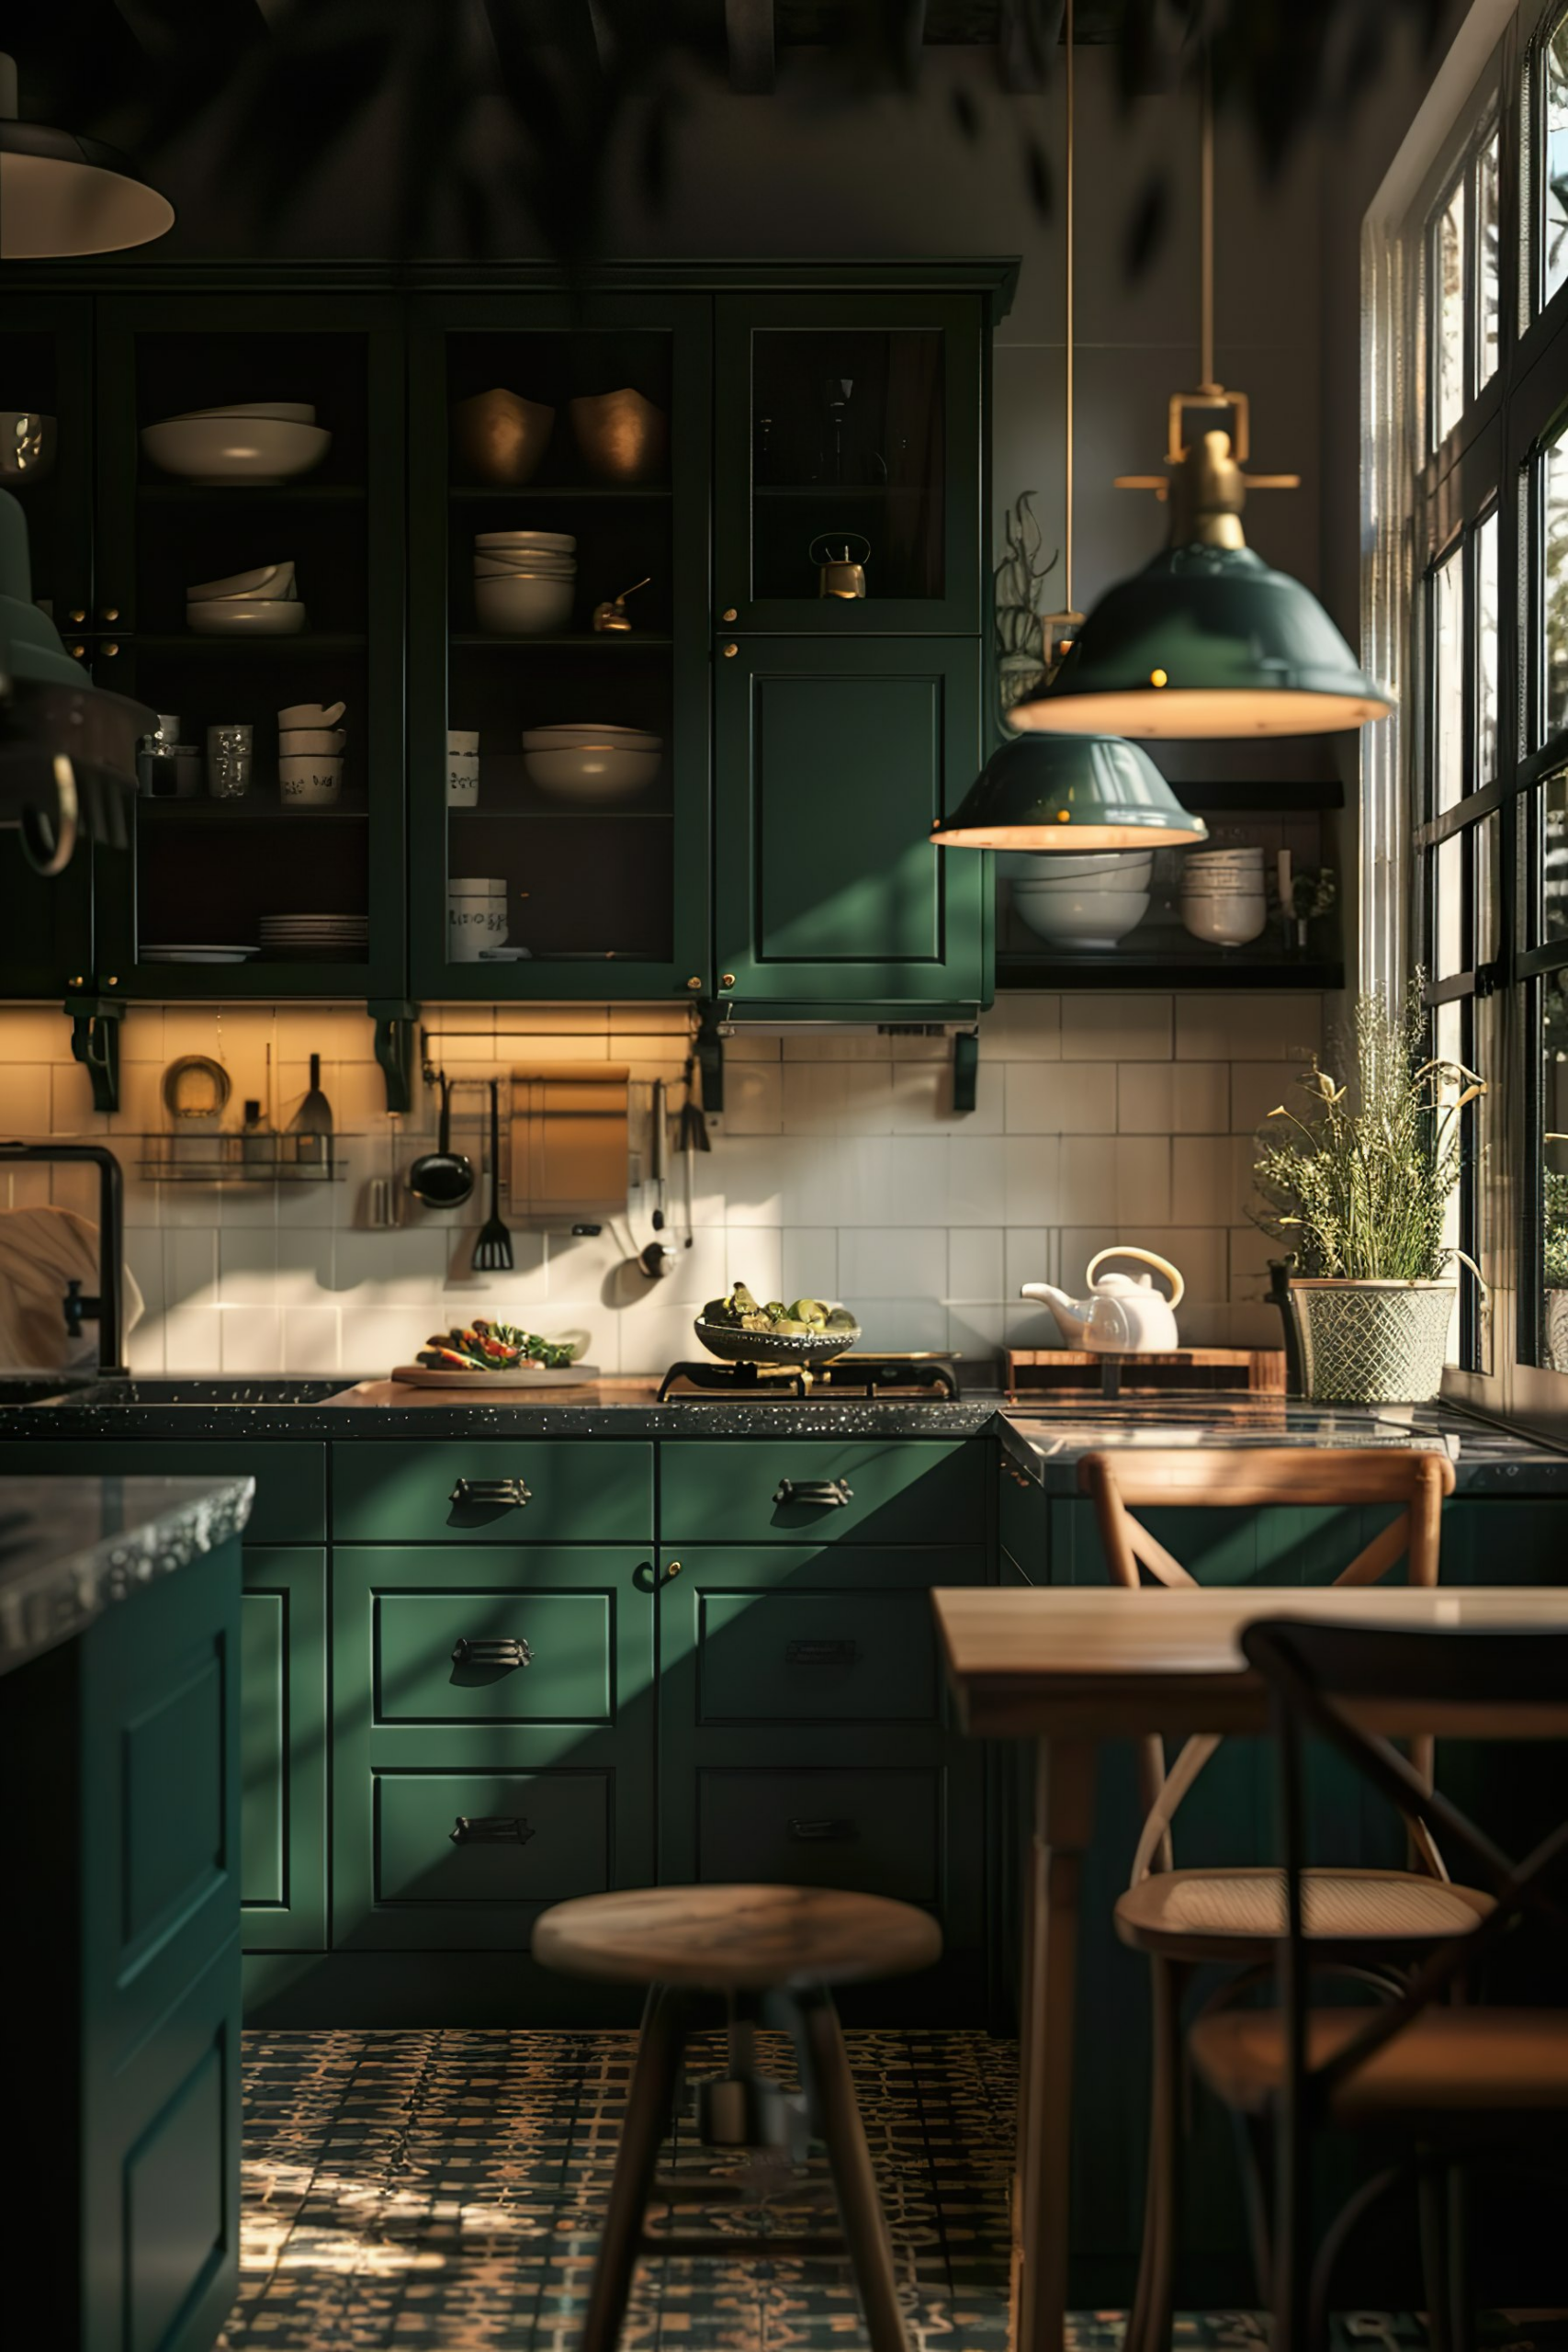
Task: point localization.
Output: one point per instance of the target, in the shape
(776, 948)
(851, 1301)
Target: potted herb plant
(1356, 1185)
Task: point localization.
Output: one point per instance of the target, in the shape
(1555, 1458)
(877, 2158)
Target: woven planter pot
(1371, 1343)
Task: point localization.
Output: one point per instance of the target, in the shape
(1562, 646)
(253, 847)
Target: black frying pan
(442, 1179)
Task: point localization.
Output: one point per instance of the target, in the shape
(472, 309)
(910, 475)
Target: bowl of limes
(740, 1329)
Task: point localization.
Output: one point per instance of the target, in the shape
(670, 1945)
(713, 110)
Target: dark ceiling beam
(167, 29)
(1027, 32)
(568, 32)
(748, 35)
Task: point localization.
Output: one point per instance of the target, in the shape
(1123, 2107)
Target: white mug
(473, 923)
(462, 779)
(308, 781)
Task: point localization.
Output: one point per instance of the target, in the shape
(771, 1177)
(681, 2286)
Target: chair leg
(860, 2207)
(1430, 2184)
(1253, 2159)
(1461, 2329)
(647, 2119)
(1150, 2323)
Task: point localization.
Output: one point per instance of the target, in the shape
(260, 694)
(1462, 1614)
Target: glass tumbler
(228, 763)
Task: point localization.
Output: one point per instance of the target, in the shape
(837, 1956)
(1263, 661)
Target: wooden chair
(1181, 1918)
(1450, 2075)
(772, 1952)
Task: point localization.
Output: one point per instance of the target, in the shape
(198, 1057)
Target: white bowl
(1043, 866)
(577, 739)
(543, 568)
(311, 714)
(1136, 875)
(296, 742)
(284, 412)
(591, 771)
(1228, 922)
(235, 448)
(1245, 885)
(1096, 919)
(523, 607)
(270, 581)
(246, 616)
(563, 542)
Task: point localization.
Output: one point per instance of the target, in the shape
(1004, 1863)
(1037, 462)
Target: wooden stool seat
(1239, 1913)
(735, 1939)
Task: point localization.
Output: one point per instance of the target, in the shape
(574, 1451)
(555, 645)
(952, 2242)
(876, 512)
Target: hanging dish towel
(41, 1250)
(569, 1141)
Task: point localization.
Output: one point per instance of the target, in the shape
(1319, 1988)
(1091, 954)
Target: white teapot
(1120, 1315)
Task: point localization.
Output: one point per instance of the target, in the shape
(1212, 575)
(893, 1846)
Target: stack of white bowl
(309, 754)
(523, 581)
(476, 916)
(1085, 900)
(249, 441)
(592, 763)
(1223, 897)
(262, 603)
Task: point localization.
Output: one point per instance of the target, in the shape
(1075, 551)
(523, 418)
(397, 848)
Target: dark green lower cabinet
(494, 1725)
(119, 1844)
(804, 1739)
(283, 1747)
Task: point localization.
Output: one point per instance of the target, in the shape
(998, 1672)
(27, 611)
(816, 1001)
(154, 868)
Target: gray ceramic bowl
(757, 1346)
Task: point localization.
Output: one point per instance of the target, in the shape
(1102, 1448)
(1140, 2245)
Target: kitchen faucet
(107, 1306)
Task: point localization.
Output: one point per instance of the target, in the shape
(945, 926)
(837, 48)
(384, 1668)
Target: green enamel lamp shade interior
(1206, 640)
(1069, 792)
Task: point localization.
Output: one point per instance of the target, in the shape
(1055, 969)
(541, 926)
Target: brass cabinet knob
(77, 652)
(113, 980)
(112, 647)
(76, 979)
(77, 613)
(110, 612)
(672, 1568)
(731, 651)
(694, 982)
(726, 979)
(730, 613)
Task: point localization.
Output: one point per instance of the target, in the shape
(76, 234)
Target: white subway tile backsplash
(311, 1340)
(1022, 1028)
(753, 1100)
(907, 1263)
(1258, 1088)
(247, 1269)
(191, 1338)
(29, 1096)
(1173, 1098)
(808, 1264)
(251, 1339)
(974, 1263)
(1204, 1189)
(905, 1326)
(1247, 1026)
(1061, 1097)
(1032, 1183)
(1118, 1025)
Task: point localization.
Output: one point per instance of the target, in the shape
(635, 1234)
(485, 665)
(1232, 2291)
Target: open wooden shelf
(1018, 968)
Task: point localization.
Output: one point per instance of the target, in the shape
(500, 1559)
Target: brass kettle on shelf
(839, 574)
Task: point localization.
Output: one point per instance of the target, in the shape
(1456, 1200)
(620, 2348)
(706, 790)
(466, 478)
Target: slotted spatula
(493, 1251)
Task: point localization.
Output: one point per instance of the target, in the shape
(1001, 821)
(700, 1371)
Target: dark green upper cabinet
(851, 426)
(832, 761)
(595, 859)
(207, 871)
(46, 935)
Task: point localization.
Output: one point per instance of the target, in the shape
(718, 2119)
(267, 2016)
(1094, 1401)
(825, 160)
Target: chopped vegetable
(483, 1346)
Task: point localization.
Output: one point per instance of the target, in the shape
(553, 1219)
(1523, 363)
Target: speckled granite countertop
(72, 1548)
(1047, 1440)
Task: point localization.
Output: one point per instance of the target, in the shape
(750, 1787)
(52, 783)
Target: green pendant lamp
(1207, 640)
(61, 194)
(1067, 791)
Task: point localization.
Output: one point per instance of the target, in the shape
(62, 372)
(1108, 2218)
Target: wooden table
(1068, 1669)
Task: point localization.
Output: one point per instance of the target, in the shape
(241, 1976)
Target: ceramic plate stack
(525, 582)
(1223, 898)
(592, 763)
(262, 603)
(314, 939)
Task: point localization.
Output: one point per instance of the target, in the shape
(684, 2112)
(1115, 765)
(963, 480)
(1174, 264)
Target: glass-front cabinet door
(47, 463)
(847, 434)
(559, 786)
(250, 541)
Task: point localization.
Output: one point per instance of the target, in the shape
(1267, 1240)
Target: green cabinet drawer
(484, 1654)
(878, 1831)
(550, 1762)
(292, 1479)
(762, 1636)
(506, 1840)
(890, 1490)
(568, 1490)
(283, 1749)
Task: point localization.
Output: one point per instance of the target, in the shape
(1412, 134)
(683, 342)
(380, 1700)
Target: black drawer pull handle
(828, 1494)
(821, 1653)
(505, 1649)
(826, 1832)
(489, 1829)
(491, 1491)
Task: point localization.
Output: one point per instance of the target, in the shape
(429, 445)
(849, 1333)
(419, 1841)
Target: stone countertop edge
(71, 1551)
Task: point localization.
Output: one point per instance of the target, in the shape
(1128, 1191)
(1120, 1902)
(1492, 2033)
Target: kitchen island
(120, 1980)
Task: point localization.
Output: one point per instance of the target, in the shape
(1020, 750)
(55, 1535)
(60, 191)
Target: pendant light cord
(1067, 526)
(1206, 234)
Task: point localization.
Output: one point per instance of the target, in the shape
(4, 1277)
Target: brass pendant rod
(1068, 209)
(1207, 380)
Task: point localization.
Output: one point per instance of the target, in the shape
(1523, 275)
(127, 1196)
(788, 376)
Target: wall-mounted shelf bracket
(394, 1021)
(95, 1043)
(709, 1048)
(966, 1068)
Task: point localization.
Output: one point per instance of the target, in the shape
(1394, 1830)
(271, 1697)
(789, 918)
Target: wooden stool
(772, 1952)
